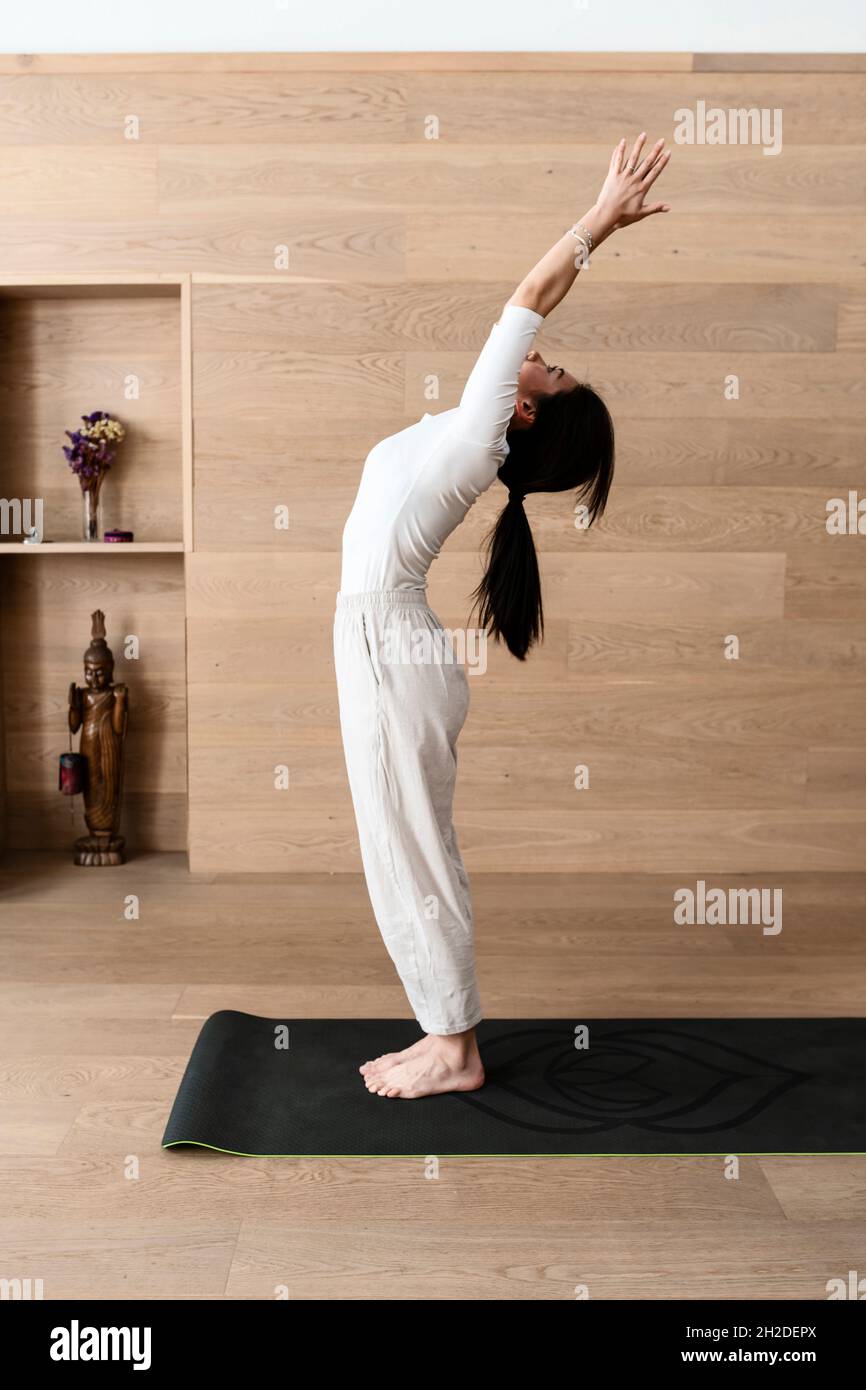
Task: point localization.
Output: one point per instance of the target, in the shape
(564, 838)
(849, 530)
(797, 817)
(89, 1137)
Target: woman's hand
(621, 200)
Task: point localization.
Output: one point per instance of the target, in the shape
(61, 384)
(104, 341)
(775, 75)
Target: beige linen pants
(403, 703)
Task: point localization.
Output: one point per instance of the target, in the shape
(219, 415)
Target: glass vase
(90, 498)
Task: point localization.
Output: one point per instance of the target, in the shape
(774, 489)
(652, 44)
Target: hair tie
(515, 496)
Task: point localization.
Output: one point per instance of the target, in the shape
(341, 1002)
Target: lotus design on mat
(653, 1079)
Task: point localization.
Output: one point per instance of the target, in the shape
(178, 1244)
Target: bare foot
(389, 1057)
(450, 1063)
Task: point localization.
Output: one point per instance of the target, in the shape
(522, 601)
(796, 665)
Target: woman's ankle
(464, 1043)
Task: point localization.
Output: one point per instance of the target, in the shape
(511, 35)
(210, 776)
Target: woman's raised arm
(620, 202)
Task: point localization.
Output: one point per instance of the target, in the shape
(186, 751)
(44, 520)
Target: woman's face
(538, 378)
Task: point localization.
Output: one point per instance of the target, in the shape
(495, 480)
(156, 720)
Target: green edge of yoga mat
(719, 1153)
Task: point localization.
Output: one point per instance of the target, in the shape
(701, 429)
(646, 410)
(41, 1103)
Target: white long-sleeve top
(418, 485)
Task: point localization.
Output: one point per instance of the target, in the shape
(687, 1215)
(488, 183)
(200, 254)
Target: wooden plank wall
(401, 250)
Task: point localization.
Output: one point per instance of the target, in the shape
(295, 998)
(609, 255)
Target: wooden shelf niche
(70, 345)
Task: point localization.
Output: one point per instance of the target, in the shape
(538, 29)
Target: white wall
(160, 26)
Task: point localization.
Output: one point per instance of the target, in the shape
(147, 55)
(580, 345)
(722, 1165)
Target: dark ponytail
(569, 445)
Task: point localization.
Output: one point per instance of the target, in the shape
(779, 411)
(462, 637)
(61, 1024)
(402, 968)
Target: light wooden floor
(98, 1016)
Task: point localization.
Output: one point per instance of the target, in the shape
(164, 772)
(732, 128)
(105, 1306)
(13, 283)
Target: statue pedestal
(97, 851)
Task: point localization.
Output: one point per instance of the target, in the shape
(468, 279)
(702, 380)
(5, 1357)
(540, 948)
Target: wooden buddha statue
(100, 709)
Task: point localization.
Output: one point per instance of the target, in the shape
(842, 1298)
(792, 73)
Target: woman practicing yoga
(537, 429)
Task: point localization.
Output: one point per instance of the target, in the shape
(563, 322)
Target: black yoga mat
(643, 1086)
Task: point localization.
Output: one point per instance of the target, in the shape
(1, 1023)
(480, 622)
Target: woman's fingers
(653, 173)
(618, 160)
(649, 160)
(654, 207)
(635, 154)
